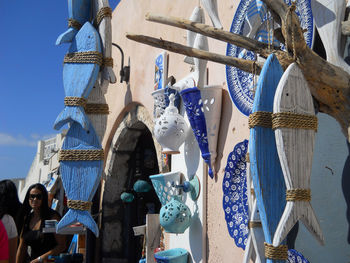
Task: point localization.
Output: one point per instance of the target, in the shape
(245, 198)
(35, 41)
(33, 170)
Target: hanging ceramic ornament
(212, 98)
(175, 216)
(193, 103)
(161, 100)
(171, 129)
(162, 184)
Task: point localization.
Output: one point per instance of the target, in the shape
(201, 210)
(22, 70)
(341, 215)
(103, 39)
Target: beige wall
(129, 17)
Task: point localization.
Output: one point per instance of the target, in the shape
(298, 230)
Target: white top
(10, 226)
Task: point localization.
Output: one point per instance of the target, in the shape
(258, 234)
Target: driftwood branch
(328, 84)
(235, 39)
(246, 65)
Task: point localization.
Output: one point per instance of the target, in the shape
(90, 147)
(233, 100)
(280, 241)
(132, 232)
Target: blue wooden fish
(79, 78)
(80, 178)
(265, 167)
(79, 12)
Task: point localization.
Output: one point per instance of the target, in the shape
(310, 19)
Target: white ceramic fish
(211, 6)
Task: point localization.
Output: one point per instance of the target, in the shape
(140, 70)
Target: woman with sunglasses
(36, 210)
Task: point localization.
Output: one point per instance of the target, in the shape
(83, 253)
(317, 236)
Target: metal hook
(124, 71)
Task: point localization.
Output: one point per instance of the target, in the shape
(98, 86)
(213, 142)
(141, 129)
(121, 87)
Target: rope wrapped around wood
(298, 195)
(294, 120)
(74, 23)
(260, 118)
(107, 62)
(280, 252)
(81, 155)
(253, 224)
(88, 57)
(79, 205)
(102, 13)
(74, 101)
(95, 108)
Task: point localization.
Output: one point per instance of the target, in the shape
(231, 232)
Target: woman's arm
(12, 249)
(21, 251)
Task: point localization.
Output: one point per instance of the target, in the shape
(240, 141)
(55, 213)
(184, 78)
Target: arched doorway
(133, 156)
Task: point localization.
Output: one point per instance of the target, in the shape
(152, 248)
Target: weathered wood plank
(192, 52)
(295, 149)
(80, 178)
(78, 78)
(266, 171)
(235, 39)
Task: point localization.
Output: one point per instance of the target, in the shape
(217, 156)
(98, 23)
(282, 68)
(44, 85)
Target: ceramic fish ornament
(80, 71)
(211, 6)
(81, 163)
(79, 12)
(198, 17)
(265, 169)
(295, 125)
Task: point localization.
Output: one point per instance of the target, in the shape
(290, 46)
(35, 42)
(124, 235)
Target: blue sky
(30, 78)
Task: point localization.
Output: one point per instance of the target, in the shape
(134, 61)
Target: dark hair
(44, 208)
(9, 202)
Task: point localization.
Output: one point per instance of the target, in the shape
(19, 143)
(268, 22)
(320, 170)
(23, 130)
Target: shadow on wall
(196, 247)
(346, 188)
(226, 113)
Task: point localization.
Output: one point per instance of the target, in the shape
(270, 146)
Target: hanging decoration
(170, 129)
(295, 125)
(265, 168)
(240, 82)
(235, 198)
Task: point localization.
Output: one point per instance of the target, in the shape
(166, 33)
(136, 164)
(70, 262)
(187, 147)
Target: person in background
(36, 211)
(4, 249)
(14, 206)
(8, 222)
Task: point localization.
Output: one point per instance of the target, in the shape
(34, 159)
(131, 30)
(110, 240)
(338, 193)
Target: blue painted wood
(266, 171)
(79, 79)
(80, 178)
(79, 10)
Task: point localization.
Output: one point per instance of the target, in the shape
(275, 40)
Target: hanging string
(289, 15)
(268, 31)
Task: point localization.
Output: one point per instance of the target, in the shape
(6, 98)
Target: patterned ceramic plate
(240, 83)
(296, 257)
(235, 200)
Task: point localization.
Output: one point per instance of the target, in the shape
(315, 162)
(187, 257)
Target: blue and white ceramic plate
(296, 257)
(240, 83)
(235, 200)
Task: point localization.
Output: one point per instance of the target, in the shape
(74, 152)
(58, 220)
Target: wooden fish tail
(72, 114)
(294, 211)
(79, 12)
(74, 216)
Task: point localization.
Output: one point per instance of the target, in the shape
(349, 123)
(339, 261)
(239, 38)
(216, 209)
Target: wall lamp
(125, 70)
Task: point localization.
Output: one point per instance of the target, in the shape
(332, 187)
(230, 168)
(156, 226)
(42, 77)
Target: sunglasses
(37, 196)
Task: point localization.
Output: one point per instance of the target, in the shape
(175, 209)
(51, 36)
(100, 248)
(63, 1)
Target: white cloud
(20, 140)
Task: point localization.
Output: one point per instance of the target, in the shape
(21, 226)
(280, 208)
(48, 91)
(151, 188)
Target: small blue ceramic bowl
(175, 255)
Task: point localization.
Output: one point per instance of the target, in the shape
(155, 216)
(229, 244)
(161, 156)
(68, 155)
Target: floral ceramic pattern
(296, 257)
(240, 83)
(193, 103)
(235, 201)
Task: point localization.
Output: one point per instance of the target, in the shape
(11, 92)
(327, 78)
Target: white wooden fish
(104, 28)
(211, 6)
(198, 17)
(328, 15)
(79, 78)
(295, 149)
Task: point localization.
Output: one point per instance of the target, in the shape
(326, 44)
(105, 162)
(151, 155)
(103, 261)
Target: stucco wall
(129, 17)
